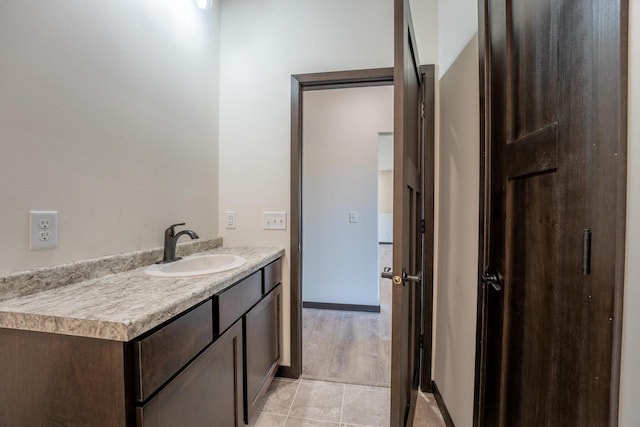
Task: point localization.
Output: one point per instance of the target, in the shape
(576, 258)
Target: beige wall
(630, 377)
(457, 207)
(262, 45)
(385, 174)
(108, 114)
(385, 192)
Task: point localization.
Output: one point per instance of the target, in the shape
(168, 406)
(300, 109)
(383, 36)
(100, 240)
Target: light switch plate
(230, 220)
(274, 220)
(43, 230)
(353, 217)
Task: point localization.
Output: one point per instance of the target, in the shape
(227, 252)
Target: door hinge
(422, 226)
(586, 252)
(422, 110)
(421, 341)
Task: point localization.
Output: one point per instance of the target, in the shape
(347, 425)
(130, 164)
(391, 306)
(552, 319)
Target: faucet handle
(171, 231)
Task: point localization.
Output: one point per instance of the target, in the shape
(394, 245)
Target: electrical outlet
(353, 217)
(43, 229)
(230, 220)
(274, 220)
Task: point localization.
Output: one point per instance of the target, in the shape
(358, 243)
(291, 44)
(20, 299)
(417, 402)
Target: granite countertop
(125, 305)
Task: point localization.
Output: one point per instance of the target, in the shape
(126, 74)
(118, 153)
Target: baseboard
(427, 388)
(441, 405)
(287, 372)
(345, 307)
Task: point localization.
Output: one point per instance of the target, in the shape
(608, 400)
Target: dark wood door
(407, 216)
(554, 217)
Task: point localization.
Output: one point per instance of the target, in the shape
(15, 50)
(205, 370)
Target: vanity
(132, 350)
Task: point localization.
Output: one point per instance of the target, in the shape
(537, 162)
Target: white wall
(340, 175)
(262, 44)
(425, 25)
(457, 198)
(108, 114)
(630, 377)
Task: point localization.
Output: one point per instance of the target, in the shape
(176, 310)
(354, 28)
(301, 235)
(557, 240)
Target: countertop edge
(188, 303)
(127, 331)
(111, 331)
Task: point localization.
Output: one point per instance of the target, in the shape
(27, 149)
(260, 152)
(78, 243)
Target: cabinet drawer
(163, 353)
(235, 301)
(207, 393)
(272, 275)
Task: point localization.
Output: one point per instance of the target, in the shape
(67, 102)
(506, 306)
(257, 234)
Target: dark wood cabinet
(208, 392)
(262, 348)
(61, 380)
(207, 366)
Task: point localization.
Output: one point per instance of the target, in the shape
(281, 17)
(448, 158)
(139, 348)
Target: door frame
(319, 81)
(484, 184)
(618, 211)
(299, 84)
(427, 127)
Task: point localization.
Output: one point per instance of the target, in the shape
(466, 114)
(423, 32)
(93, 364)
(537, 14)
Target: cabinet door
(207, 393)
(262, 347)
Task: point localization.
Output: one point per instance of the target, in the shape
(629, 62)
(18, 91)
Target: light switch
(230, 220)
(274, 220)
(353, 217)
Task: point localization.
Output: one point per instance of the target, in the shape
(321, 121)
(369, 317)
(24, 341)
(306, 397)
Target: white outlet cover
(353, 217)
(43, 230)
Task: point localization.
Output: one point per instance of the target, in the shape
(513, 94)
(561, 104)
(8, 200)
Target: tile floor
(310, 403)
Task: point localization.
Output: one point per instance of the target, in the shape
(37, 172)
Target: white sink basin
(196, 265)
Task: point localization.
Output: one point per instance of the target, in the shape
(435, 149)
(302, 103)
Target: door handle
(493, 278)
(415, 279)
(388, 274)
(397, 280)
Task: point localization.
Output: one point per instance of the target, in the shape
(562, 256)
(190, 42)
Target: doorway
(346, 305)
(301, 84)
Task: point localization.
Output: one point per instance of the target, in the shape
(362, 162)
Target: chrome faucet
(170, 241)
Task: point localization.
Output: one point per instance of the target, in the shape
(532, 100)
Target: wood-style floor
(348, 346)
